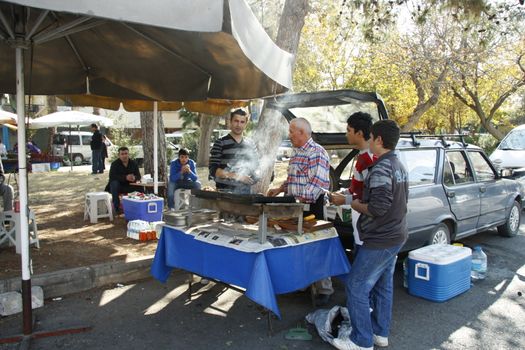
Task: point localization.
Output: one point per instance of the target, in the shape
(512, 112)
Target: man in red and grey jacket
(357, 134)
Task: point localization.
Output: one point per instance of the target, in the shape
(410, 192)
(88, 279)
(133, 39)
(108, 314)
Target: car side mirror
(506, 172)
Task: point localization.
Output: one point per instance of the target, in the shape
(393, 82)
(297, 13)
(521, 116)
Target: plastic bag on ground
(330, 324)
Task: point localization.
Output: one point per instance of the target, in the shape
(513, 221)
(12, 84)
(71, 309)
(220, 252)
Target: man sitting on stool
(123, 171)
(183, 174)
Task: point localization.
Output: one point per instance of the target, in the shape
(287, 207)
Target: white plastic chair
(11, 231)
(182, 199)
(91, 206)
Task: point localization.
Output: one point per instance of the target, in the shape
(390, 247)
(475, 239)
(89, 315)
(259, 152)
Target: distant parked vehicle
(75, 145)
(285, 150)
(510, 153)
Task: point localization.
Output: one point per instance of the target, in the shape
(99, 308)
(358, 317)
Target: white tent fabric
(7, 117)
(68, 118)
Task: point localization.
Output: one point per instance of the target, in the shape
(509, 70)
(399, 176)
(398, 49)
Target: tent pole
(22, 190)
(155, 149)
(70, 149)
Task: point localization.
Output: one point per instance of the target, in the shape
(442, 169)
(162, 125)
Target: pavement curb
(80, 279)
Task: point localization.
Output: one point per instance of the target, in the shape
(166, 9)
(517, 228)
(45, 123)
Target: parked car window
(514, 141)
(483, 170)
(420, 164)
(74, 140)
(86, 140)
(458, 167)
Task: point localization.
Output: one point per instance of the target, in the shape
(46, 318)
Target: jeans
(172, 186)
(96, 161)
(370, 285)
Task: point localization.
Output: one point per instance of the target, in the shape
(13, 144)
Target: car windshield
(514, 141)
(328, 119)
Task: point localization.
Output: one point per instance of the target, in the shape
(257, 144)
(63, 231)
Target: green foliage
(122, 137)
(189, 118)
(191, 142)
(485, 141)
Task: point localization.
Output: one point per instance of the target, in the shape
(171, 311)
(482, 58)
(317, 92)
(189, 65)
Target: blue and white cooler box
(439, 272)
(143, 209)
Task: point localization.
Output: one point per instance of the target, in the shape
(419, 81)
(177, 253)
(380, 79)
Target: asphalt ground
(148, 314)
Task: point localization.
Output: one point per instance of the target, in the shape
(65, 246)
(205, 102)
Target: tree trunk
(146, 122)
(423, 104)
(269, 130)
(207, 124)
(51, 104)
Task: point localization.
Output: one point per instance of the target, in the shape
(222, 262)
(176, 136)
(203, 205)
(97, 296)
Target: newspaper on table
(244, 237)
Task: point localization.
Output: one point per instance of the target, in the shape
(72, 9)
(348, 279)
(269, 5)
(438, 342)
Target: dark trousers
(96, 161)
(317, 208)
(115, 188)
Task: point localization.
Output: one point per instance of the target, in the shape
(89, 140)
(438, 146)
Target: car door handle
(451, 194)
(482, 189)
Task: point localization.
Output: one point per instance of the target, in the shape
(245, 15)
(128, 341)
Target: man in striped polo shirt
(234, 159)
(308, 181)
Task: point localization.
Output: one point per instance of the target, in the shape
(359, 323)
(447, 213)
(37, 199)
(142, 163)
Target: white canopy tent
(69, 119)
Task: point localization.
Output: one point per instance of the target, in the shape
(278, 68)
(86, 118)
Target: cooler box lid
(440, 254)
(141, 200)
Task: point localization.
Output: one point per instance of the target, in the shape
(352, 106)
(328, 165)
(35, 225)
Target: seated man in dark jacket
(122, 173)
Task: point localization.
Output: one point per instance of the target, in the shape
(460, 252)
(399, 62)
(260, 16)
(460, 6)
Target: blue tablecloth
(263, 274)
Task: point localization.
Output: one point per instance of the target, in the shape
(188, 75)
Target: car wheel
(440, 235)
(511, 227)
(78, 159)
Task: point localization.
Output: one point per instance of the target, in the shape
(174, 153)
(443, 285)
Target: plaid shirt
(308, 173)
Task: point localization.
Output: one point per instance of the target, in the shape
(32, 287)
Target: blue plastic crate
(439, 272)
(137, 209)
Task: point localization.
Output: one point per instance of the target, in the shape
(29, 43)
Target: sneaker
(205, 281)
(322, 300)
(380, 341)
(347, 344)
(172, 209)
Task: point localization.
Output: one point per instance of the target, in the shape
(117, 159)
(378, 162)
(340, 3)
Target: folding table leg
(270, 327)
(190, 281)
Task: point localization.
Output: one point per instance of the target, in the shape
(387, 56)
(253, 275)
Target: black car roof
(285, 102)
(325, 98)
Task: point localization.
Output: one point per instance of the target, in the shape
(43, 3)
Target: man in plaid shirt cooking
(308, 181)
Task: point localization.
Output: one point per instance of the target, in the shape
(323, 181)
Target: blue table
(262, 274)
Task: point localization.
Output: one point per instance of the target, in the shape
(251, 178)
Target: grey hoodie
(386, 192)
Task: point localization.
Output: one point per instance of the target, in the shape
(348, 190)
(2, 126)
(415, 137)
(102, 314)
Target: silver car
(455, 190)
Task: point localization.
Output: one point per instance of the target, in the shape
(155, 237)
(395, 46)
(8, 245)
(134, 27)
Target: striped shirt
(308, 172)
(364, 160)
(241, 158)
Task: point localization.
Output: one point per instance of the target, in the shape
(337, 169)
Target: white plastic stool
(91, 206)
(13, 232)
(182, 199)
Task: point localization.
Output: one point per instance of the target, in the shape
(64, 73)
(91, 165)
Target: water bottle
(479, 264)
(405, 273)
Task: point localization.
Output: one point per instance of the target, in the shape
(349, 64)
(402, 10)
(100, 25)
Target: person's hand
(337, 198)
(355, 204)
(185, 169)
(272, 192)
(245, 179)
(130, 178)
